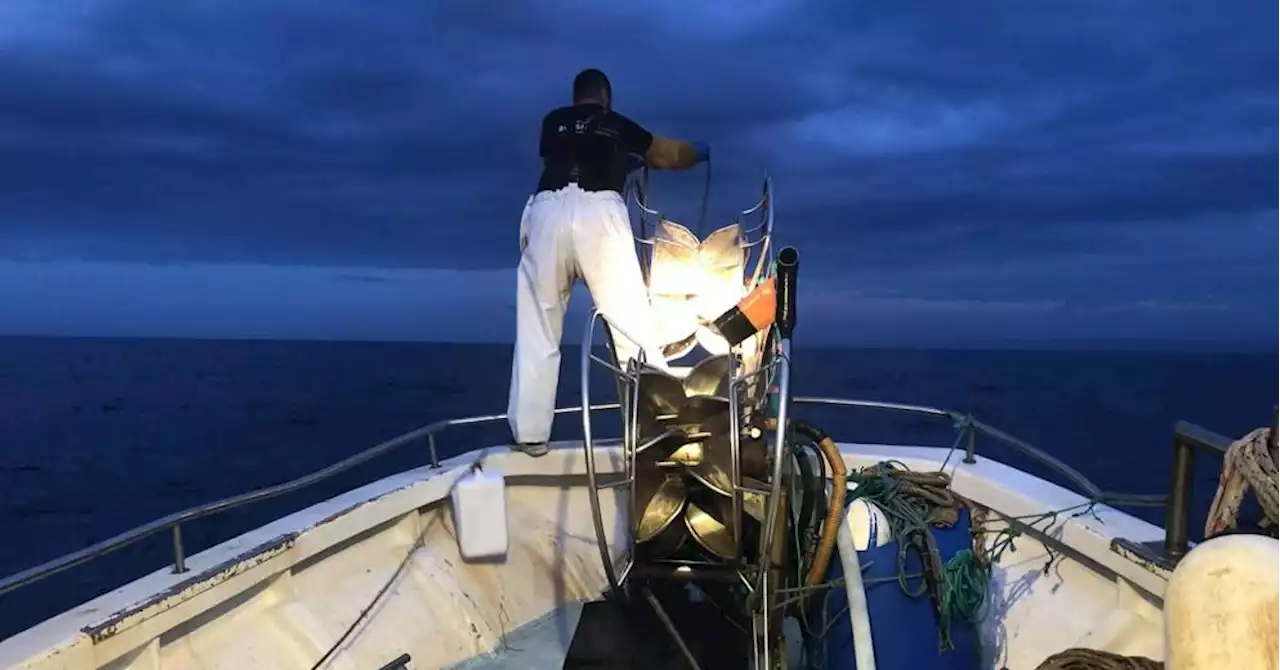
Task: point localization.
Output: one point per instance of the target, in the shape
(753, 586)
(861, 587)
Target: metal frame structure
(752, 576)
(773, 363)
(761, 234)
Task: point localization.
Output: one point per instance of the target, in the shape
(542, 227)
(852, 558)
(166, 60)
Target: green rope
(964, 594)
(966, 577)
(964, 580)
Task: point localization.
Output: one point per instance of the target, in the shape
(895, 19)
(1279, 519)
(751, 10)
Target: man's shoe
(534, 449)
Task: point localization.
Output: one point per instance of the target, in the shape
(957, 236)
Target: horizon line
(1093, 345)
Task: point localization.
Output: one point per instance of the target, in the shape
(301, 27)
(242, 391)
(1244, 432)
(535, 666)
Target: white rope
(1247, 464)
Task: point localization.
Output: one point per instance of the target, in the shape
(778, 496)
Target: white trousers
(567, 235)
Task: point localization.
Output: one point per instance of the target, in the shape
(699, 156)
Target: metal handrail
(1188, 439)
(972, 426)
(174, 521)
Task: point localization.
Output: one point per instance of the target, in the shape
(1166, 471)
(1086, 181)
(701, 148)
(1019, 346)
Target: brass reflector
(693, 281)
(710, 377)
(710, 521)
(716, 465)
(659, 500)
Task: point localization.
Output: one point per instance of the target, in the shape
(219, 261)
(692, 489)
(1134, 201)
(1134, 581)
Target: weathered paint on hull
(279, 597)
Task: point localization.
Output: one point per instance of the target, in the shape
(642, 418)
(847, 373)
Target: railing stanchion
(431, 447)
(971, 444)
(179, 554)
(1176, 536)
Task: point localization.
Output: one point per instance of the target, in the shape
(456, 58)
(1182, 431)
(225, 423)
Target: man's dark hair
(591, 84)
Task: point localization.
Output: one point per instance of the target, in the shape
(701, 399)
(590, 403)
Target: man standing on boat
(577, 226)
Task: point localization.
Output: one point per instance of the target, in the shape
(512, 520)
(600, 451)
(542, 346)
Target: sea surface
(100, 435)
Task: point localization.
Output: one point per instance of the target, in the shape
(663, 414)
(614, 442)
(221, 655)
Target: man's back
(568, 232)
(588, 145)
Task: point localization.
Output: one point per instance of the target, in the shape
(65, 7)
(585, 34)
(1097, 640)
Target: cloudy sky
(1018, 169)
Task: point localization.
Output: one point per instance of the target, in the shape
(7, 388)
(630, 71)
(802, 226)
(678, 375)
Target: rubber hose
(807, 477)
(835, 508)
(819, 506)
(820, 502)
(864, 651)
(816, 489)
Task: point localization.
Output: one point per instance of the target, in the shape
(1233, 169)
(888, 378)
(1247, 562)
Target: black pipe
(807, 478)
(809, 430)
(815, 436)
(400, 663)
(1175, 520)
(788, 267)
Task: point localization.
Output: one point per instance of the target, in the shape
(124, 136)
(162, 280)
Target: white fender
(1221, 606)
(868, 524)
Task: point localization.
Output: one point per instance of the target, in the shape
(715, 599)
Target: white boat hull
(281, 596)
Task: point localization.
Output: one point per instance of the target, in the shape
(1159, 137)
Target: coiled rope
(1092, 659)
(908, 500)
(915, 503)
(1248, 464)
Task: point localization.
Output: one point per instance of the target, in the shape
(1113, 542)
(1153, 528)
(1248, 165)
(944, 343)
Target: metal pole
(1175, 520)
(971, 446)
(787, 269)
(179, 556)
(593, 494)
(630, 450)
(431, 447)
(735, 465)
(763, 660)
(775, 484)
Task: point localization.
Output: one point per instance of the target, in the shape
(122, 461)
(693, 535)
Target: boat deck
(602, 634)
(542, 643)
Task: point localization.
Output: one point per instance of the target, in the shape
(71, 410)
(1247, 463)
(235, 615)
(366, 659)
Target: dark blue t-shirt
(588, 145)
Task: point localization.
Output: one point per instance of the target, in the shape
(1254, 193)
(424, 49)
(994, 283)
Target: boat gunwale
(173, 522)
(1010, 492)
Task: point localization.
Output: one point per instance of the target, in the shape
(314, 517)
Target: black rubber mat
(621, 637)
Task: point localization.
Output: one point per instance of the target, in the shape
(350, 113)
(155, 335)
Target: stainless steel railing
(173, 522)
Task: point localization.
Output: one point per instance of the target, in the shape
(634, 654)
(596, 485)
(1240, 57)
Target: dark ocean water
(97, 436)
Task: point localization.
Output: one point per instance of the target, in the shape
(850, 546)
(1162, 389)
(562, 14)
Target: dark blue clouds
(1097, 154)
